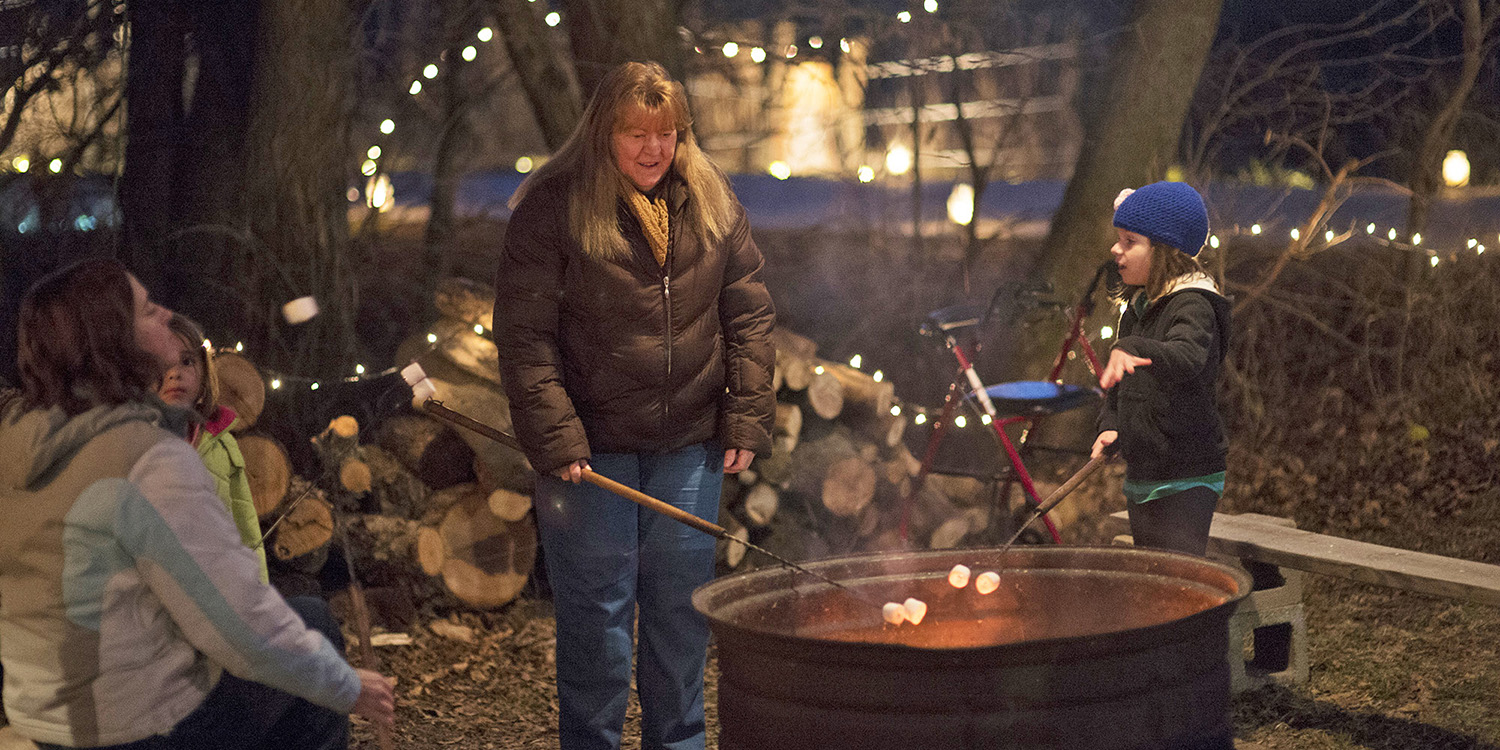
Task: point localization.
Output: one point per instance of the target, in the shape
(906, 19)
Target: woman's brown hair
(76, 340)
(598, 184)
(191, 334)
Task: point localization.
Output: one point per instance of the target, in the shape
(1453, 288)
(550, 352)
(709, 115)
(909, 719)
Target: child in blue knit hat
(1161, 410)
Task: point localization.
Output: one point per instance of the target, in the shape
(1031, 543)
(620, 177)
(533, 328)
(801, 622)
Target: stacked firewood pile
(433, 515)
(841, 478)
(445, 516)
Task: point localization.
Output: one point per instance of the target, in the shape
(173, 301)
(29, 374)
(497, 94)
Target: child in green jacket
(192, 384)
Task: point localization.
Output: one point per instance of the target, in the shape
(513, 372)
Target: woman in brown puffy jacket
(633, 331)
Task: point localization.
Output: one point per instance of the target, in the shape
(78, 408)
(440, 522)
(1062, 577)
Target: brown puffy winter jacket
(629, 356)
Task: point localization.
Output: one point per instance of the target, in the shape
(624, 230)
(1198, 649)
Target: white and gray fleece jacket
(124, 589)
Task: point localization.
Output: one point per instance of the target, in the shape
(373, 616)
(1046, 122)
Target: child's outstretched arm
(1183, 350)
(1120, 364)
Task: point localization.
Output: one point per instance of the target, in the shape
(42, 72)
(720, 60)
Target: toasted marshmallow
(413, 373)
(959, 576)
(916, 609)
(893, 613)
(987, 582)
(300, 310)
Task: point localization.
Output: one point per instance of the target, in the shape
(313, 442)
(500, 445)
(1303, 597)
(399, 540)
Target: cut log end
(240, 387)
(268, 471)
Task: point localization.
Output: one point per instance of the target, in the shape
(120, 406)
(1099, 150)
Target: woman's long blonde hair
(597, 183)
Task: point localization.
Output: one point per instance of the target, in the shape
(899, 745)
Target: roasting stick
(436, 408)
(1058, 495)
(362, 623)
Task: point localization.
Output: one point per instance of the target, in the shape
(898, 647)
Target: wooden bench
(1268, 631)
(1266, 539)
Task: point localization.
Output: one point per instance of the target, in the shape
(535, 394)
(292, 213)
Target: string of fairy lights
(380, 195)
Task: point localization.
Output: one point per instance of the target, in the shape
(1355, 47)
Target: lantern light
(1456, 168)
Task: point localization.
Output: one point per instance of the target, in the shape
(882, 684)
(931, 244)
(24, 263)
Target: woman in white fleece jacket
(130, 614)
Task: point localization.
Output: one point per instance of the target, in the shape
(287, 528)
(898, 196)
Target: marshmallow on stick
(916, 609)
(959, 576)
(987, 582)
(421, 388)
(893, 613)
(300, 310)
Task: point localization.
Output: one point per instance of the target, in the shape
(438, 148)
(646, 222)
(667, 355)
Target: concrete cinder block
(1275, 638)
(1269, 625)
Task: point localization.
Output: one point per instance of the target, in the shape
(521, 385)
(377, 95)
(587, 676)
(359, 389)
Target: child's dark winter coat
(1166, 412)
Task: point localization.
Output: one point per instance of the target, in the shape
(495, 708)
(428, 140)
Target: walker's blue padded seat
(1037, 398)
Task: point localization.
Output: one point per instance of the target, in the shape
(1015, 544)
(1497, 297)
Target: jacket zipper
(666, 293)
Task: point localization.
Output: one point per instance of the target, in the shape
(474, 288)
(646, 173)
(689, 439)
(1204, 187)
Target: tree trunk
(268, 471)
(153, 86)
(606, 33)
(546, 72)
(1426, 176)
(485, 561)
(240, 388)
(299, 142)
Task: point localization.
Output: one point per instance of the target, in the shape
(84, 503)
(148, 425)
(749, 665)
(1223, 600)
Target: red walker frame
(980, 392)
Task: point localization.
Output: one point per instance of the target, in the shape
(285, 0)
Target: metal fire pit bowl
(1103, 648)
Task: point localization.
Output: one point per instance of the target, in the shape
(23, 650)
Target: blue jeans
(605, 555)
(243, 715)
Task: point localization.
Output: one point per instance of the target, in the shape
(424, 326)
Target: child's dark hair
(1167, 263)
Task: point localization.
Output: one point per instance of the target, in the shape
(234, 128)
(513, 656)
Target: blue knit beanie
(1171, 213)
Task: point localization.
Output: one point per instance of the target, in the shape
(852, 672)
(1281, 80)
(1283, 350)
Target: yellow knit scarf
(653, 216)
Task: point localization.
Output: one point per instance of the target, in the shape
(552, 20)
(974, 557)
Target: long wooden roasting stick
(436, 408)
(361, 623)
(1058, 495)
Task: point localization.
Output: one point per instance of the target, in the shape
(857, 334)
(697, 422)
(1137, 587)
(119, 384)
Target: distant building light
(373, 153)
(731, 49)
(791, 51)
(758, 54)
(780, 170)
(554, 18)
(816, 42)
(486, 34)
(470, 53)
(866, 174)
(844, 45)
(388, 126)
(930, 6)
(416, 88)
(903, 17)
(961, 204)
(524, 164)
(898, 159)
(430, 71)
(21, 163)
(54, 166)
